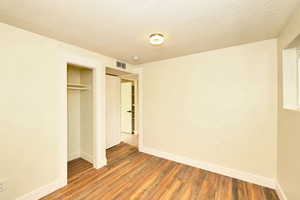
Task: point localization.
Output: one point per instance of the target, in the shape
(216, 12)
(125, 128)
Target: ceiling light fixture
(136, 58)
(156, 38)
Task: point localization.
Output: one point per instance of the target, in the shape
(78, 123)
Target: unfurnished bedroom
(150, 100)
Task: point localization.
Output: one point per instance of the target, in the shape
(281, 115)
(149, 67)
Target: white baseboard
(280, 192)
(47, 189)
(245, 176)
(44, 190)
(101, 164)
(87, 157)
(83, 155)
(73, 156)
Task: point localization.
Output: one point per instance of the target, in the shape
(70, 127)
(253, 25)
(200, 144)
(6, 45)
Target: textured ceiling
(119, 28)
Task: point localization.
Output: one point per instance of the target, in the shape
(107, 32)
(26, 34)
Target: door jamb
(139, 72)
(99, 158)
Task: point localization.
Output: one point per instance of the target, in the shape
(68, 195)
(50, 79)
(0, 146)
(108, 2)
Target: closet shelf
(76, 85)
(77, 88)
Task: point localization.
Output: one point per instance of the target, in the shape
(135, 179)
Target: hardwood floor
(134, 175)
(78, 167)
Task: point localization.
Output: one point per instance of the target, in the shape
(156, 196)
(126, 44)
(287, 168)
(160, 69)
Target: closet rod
(109, 74)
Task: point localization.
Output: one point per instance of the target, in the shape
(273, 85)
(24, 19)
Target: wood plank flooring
(134, 175)
(78, 167)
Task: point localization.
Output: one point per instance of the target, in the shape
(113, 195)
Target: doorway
(121, 109)
(80, 120)
(129, 103)
(127, 106)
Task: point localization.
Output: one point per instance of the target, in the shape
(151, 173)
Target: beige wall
(223, 103)
(217, 106)
(288, 123)
(32, 108)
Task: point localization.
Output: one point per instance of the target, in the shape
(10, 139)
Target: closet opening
(121, 114)
(80, 120)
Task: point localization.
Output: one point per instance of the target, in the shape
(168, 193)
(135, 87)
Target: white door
(126, 107)
(113, 115)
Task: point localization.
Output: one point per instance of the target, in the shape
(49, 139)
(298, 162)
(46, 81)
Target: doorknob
(129, 111)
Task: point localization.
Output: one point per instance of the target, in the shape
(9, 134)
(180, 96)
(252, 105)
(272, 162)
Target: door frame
(139, 107)
(133, 103)
(98, 70)
(136, 101)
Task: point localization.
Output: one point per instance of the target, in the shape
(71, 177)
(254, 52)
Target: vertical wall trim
(280, 192)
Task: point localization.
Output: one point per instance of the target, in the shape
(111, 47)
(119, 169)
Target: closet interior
(80, 118)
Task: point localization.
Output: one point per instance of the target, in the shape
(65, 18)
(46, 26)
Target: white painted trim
(298, 79)
(101, 164)
(290, 71)
(87, 157)
(99, 157)
(44, 190)
(119, 68)
(280, 192)
(139, 72)
(245, 176)
(136, 105)
(73, 156)
(99, 123)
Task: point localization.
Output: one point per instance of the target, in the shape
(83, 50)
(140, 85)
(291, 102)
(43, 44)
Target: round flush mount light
(156, 39)
(136, 58)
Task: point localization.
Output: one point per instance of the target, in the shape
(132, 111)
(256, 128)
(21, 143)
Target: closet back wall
(73, 116)
(86, 114)
(80, 114)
